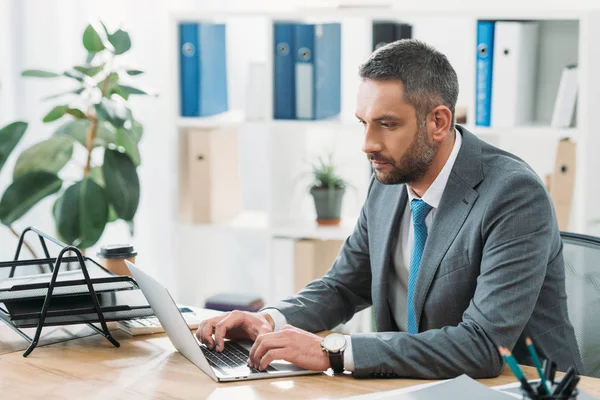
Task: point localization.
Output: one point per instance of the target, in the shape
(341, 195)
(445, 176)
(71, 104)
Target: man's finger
(231, 321)
(205, 331)
(270, 356)
(268, 342)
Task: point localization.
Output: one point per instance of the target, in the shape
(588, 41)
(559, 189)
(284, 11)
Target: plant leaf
(91, 40)
(132, 90)
(56, 113)
(122, 183)
(10, 136)
(81, 213)
(133, 72)
(105, 133)
(125, 140)
(120, 41)
(109, 111)
(38, 73)
(50, 156)
(90, 57)
(118, 90)
(25, 192)
(89, 71)
(77, 113)
(96, 175)
(112, 214)
(108, 84)
(137, 131)
(93, 212)
(77, 77)
(54, 96)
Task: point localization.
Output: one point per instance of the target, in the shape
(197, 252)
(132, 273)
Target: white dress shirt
(402, 251)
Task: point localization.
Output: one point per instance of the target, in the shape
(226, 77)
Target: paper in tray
(115, 306)
(36, 286)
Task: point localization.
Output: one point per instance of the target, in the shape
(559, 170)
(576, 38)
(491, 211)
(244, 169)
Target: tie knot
(420, 209)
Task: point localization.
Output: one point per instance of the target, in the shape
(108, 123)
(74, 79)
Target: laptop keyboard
(233, 359)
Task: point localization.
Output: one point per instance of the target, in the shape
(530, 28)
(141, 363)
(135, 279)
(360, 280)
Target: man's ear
(439, 122)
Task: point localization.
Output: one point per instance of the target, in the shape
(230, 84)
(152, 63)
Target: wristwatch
(334, 345)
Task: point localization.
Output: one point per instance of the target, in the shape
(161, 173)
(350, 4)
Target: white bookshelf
(287, 142)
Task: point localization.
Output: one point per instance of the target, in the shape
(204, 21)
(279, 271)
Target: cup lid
(117, 251)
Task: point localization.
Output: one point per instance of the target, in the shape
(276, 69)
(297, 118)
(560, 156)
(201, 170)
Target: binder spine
(189, 76)
(484, 72)
(305, 71)
(212, 59)
(327, 63)
(284, 90)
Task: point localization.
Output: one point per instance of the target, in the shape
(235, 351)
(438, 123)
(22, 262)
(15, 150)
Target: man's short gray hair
(429, 79)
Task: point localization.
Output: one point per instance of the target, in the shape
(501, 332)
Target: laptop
(230, 365)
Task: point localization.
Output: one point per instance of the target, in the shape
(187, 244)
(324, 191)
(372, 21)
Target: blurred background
(231, 117)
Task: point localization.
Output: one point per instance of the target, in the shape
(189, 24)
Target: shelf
(229, 118)
(510, 9)
(310, 230)
(541, 132)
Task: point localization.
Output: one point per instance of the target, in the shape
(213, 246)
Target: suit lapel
(456, 204)
(389, 228)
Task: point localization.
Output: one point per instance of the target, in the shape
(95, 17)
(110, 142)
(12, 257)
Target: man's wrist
(267, 317)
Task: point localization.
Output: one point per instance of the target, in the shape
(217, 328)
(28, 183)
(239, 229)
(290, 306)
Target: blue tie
(420, 209)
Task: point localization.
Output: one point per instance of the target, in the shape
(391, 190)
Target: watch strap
(337, 361)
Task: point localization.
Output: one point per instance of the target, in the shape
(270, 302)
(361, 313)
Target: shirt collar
(434, 193)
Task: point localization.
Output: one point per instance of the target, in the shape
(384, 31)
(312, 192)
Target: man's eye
(387, 125)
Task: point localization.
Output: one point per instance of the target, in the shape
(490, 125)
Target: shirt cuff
(348, 356)
(278, 318)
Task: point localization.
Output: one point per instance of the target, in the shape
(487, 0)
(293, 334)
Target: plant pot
(328, 204)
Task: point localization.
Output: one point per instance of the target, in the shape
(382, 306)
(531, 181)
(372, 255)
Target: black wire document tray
(90, 294)
(67, 283)
(79, 309)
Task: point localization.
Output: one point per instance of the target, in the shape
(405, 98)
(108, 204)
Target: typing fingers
(206, 329)
(234, 319)
(270, 356)
(265, 343)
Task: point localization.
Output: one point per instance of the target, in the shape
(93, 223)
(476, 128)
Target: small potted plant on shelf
(327, 190)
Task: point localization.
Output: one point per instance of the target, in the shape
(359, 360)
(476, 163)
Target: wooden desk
(149, 367)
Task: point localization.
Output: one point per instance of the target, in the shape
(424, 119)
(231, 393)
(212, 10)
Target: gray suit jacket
(492, 274)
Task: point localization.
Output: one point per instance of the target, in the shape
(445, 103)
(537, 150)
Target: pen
(565, 381)
(569, 390)
(552, 373)
(536, 363)
(512, 363)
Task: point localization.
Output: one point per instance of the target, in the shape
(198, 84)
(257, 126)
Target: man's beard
(413, 165)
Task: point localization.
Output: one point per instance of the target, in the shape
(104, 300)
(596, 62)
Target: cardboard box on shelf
(312, 259)
(210, 189)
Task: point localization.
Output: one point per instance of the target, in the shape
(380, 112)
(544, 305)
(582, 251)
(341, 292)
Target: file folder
(387, 32)
(515, 64)
(284, 90)
(484, 73)
(203, 69)
(317, 70)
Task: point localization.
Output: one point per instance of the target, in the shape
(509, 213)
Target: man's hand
(234, 325)
(290, 344)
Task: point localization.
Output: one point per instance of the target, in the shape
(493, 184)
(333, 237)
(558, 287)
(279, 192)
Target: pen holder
(563, 396)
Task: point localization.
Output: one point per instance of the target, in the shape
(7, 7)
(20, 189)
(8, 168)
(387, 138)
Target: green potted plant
(98, 137)
(327, 190)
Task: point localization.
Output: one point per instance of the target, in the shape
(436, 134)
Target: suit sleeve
(517, 232)
(344, 290)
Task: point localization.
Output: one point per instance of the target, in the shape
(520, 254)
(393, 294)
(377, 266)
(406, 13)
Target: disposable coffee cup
(113, 258)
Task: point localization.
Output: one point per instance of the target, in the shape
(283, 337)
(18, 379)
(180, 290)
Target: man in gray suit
(457, 247)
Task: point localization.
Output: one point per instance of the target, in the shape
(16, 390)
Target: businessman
(457, 248)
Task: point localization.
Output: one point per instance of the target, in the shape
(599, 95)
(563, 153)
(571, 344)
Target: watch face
(334, 342)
